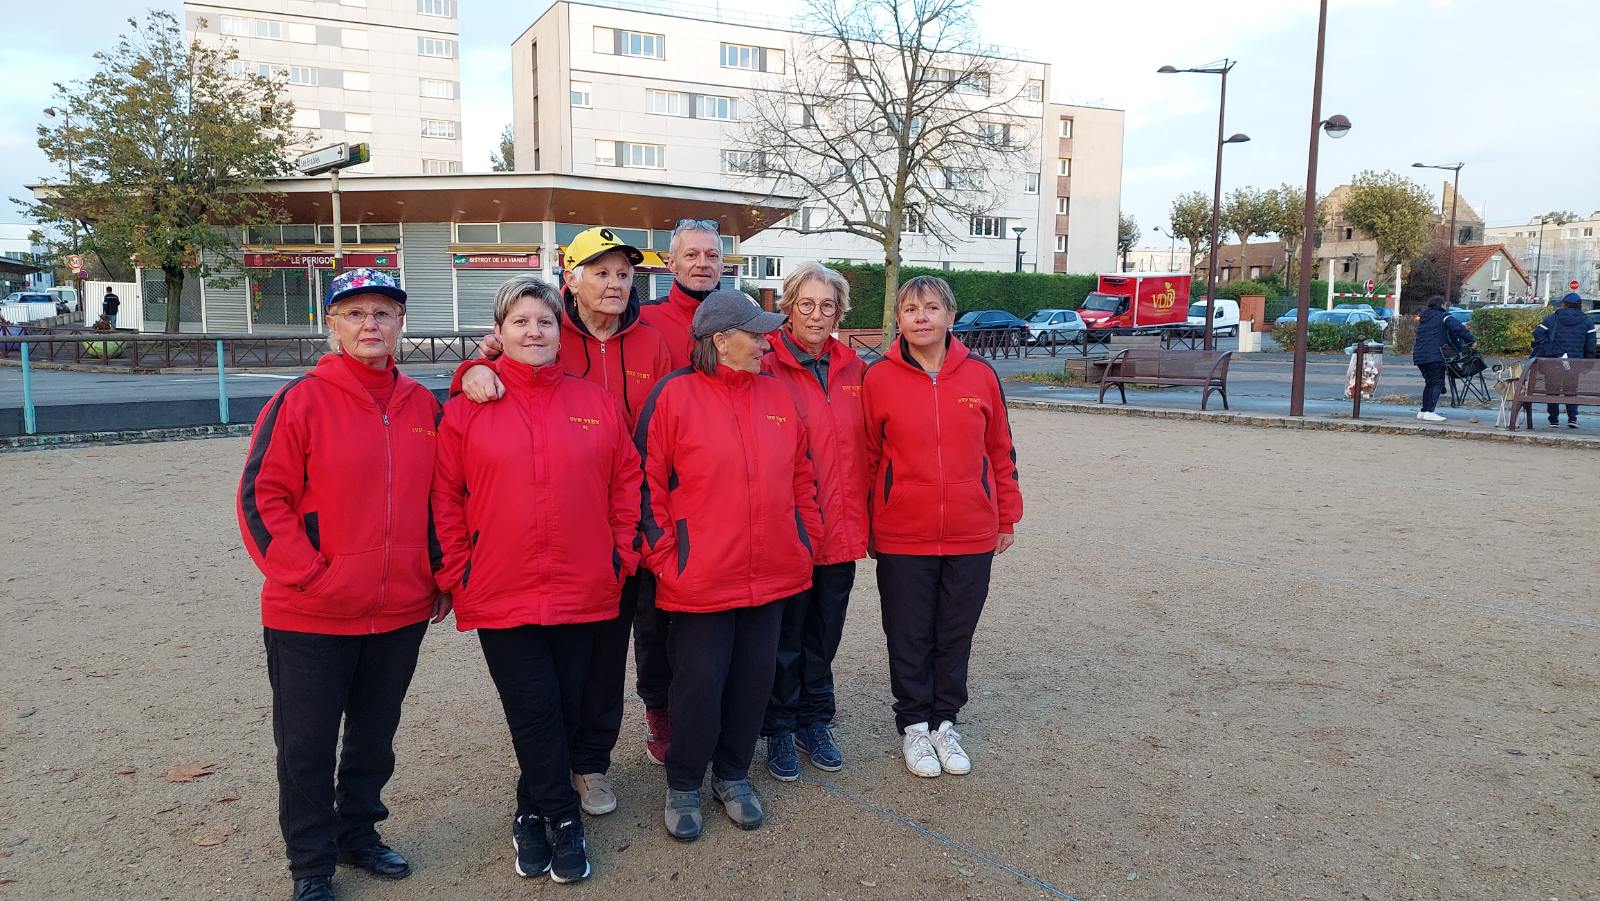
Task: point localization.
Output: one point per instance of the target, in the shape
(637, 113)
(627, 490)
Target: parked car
(66, 298)
(1063, 326)
(28, 306)
(1343, 317)
(1364, 307)
(1594, 316)
(989, 322)
(1288, 318)
(1462, 316)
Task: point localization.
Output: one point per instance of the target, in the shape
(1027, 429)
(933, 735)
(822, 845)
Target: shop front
(285, 286)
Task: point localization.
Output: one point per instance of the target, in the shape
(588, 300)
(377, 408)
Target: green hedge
(1326, 337)
(1020, 293)
(1506, 332)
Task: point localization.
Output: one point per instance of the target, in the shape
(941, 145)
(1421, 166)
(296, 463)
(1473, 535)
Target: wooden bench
(1094, 367)
(1555, 380)
(1158, 368)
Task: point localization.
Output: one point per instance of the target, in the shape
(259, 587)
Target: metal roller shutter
(475, 289)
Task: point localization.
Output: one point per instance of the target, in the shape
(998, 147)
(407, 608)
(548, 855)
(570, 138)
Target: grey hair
(927, 284)
(694, 225)
(525, 286)
(703, 355)
(811, 269)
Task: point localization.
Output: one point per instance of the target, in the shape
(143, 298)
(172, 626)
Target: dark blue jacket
(1436, 329)
(1566, 331)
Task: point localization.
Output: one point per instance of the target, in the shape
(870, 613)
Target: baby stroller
(1464, 369)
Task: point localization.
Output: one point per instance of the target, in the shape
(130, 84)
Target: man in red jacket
(333, 507)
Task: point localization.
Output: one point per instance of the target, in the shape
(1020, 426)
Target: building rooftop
(1473, 257)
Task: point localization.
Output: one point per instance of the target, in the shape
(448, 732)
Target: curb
(1314, 425)
(131, 436)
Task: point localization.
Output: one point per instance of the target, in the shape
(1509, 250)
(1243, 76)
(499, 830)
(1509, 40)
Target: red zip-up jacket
(729, 514)
(836, 433)
(670, 315)
(535, 502)
(333, 504)
(942, 466)
(628, 364)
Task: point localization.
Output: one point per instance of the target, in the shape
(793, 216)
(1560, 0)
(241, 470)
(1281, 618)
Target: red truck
(1135, 303)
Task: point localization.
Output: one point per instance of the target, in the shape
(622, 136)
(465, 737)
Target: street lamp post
(1455, 198)
(1216, 190)
(66, 120)
(1538, 261)
(1019, 229)
(1337, 126)
(1172, 252)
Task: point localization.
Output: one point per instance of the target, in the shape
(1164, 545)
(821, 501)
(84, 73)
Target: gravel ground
(1191, 681)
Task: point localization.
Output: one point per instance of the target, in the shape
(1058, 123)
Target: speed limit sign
(75, 262)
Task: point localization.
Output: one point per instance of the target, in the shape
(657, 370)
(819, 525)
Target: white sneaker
(947, 744)
(1429, 416)
(921, 759)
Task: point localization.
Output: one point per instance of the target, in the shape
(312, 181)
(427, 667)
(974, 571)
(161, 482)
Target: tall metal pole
(1538, 263)
(338, 229)
(1297, 390)
(1216, 215)
(1019, 252)
(1450, 268)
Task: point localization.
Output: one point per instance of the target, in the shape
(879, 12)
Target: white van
(1224, 323)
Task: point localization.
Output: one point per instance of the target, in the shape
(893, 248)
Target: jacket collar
(336, 370)
(522, 377)
(684, 299)
(954, 355)
(733, 378)
(573, 323)
(788, 351)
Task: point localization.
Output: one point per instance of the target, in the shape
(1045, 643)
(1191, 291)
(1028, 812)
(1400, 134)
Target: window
(911, 222)
(747, 268)
(974, 83)
(440, 167)
(358, 122)
(438, 128)
(347, 234)
(645, 156)
(1063, 205)
(235, 25)
(1064, 166)
(358, 81)
(605, 153)
(581, 94)
(1030, 183)
(436, 47)
(1066, 128)
(238, 68)
(802, 115)
(1588, 233)
(477, 233)
(1494, 269)
(307, 118)
(1061, 243)
(267, 28)
(961, 180)
(743, 162)
(992, 132)
(664, 103)
(987, 227)
(738, 56)
(638, 43)
(1572, 233)
(443, 8)
(772, 267)
(524, 232)
(302, 75)
(1034, 91)
(437, 88)
(353, 38)
(707, 106)
(1349, 234)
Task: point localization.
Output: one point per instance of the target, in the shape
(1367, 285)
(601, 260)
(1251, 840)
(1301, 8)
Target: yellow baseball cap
(594, 242)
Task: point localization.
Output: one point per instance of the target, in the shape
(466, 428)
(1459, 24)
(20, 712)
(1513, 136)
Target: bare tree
(891, 119)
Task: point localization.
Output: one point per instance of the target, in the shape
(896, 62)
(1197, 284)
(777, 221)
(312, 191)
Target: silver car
(1065, 325)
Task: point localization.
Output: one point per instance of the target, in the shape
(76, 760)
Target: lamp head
(1019, 229)
(1337, 126)
(1167, 70)
(1237, 139)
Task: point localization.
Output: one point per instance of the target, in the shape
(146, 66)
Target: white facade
(655, 97)
(1571, 252)
(384, 72)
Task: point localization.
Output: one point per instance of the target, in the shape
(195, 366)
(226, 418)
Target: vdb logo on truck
(1163, 300)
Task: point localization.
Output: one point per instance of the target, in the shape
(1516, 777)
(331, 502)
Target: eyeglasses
(708, 224)
(380, 318)
(808, 306)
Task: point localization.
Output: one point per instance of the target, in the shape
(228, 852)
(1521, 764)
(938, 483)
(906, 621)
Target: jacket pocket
(350, 587)
(970, 511)
(911, 511)
(411, 581)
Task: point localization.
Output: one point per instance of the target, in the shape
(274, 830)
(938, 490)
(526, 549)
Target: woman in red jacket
(603, 341)
(535, 508)
(944, 500)
(729, 519)
(333, 507)
(824, 378)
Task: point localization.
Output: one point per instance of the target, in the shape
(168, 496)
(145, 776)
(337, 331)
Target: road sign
(334, 156)
(1369, 286)
(1572, 285)
(75, 263)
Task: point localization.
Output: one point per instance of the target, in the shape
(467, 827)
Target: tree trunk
(891, 286)
(173, 277)
(1244, 258)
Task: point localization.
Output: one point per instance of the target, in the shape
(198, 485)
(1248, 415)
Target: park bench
(1555, 380)
(1159, 368)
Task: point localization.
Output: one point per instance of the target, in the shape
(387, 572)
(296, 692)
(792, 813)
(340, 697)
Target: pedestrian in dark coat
(1437, 331)
(1564, 333)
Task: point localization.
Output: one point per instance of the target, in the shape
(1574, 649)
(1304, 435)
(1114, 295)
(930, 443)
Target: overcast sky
(1508, 88)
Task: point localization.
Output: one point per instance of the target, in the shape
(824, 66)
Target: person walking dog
(1437, 331)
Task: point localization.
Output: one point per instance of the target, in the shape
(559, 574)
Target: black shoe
(313, 888)
(1555, 423)
(571, 861)
(1572, 423)
(533, 848)
(378, 859)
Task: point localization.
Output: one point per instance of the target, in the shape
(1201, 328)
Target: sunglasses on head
(712, 224)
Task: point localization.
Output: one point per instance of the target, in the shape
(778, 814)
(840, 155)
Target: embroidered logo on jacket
(641, 376)
(852, 390)
(780, 420)
(969, 401)
(584, 422)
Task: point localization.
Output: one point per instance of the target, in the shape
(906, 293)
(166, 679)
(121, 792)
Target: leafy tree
(1426, 277)
(505, 159)
(1247, 213)
(1127, 235)
(1394, 211)
(1560, 217)
(892, 118)
(1286, 205)
(167, 148)
(1191, 221)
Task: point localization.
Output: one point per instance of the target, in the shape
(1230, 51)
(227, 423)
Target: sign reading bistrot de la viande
(496, 260)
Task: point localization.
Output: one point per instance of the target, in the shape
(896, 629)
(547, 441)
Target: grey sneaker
(683, 814)
(739, 802)
(595, 792)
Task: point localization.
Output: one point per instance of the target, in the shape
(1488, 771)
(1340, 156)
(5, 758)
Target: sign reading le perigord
(320, 260)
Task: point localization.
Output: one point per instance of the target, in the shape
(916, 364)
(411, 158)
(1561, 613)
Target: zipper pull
(385, 420)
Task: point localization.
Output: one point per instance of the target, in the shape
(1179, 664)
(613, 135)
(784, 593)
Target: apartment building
(386, 72)
(656, 93)
(1554, 255)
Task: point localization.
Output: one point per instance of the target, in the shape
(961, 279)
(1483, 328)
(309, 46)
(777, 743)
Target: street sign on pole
(75, 263)
(1572, 285)
(1369, 286)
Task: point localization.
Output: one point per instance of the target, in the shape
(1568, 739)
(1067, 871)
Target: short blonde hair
(525, 286)
(927, 284)
(811, 269)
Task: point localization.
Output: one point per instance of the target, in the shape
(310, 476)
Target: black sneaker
(533, 848)
(571, 863)
(1572, 423)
